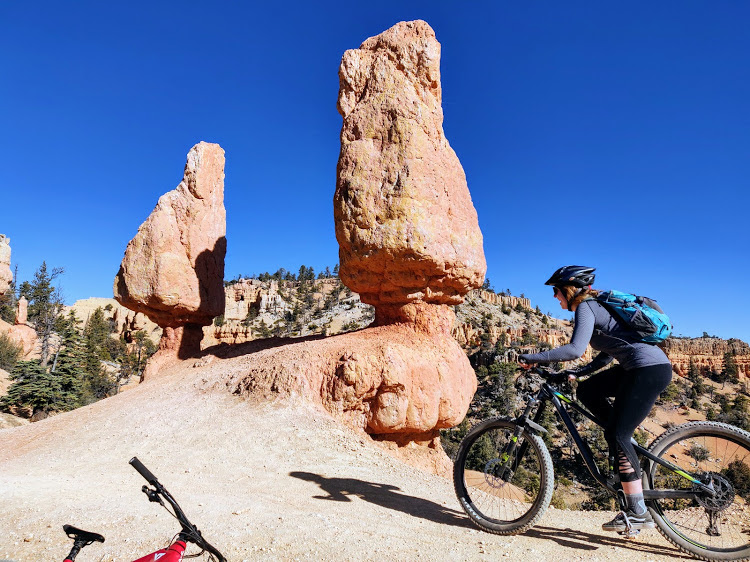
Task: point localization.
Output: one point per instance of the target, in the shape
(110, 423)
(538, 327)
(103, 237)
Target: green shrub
(9, 352)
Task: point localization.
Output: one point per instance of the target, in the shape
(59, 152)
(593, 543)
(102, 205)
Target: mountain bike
(176, 550)
(696, 476)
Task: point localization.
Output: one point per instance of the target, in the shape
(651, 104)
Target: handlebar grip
(142, 470)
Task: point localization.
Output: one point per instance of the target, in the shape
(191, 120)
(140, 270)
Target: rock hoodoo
(22, 311)
(6, 275)
(408, 232)
(405, 222)
(173, 270)
(410, 245)
(409, 239)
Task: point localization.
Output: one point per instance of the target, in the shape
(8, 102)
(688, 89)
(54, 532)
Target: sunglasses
(555, 291)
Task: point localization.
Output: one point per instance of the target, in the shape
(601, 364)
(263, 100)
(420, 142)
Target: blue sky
(615, 135)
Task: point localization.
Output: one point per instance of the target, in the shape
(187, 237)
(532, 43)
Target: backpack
(640, 315)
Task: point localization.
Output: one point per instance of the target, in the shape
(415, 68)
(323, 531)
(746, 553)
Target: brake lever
(153, 495)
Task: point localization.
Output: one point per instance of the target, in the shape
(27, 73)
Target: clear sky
(609, 134)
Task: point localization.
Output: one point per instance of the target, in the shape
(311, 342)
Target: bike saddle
(80, 535)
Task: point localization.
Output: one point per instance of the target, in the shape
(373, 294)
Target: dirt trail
(263, 481)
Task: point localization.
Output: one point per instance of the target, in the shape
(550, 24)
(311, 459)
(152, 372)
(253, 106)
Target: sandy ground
(263, 481)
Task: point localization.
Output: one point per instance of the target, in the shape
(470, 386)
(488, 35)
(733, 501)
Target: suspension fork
(509, 458)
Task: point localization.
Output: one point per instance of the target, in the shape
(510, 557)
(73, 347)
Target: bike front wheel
(504, 485)
(710, 527)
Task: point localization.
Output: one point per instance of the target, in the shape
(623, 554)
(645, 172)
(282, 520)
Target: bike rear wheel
(711, 528)
(496, 499)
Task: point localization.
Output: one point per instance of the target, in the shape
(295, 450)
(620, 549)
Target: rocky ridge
(707, 353)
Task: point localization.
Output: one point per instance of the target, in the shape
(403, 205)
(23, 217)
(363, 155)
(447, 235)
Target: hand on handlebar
(563, 376)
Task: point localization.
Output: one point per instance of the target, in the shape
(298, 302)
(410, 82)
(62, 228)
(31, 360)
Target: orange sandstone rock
(405, 222)
(173, 269)
(409, 242)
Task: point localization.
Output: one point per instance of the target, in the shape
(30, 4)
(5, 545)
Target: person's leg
(593, 393)
(634, 400)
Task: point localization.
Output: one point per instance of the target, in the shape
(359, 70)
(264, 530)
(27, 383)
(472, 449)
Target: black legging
(635, 393)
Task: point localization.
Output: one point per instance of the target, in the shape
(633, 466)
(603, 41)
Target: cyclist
(642, 373)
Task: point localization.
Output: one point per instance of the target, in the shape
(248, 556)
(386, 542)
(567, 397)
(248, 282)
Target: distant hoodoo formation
(405, 222)
(173, 270)
(6, 275)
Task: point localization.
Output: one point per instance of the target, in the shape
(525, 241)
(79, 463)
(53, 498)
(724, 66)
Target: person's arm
(582, 333)
(599, 362)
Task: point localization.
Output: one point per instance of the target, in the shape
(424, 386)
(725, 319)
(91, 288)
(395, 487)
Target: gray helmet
(575, 275)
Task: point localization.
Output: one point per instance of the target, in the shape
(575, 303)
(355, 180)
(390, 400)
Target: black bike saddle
(78, 534)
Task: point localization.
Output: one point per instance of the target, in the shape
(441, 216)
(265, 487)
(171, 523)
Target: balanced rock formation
(405, 223)
(409, 240)
(173, 270)
(6, 275)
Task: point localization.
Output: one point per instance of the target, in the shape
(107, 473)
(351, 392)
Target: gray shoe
(629, 521)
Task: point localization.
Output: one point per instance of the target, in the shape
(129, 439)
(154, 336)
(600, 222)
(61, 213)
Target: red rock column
(409, 238)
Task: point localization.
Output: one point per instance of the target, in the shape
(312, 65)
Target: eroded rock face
(6, 275)
(401, 383)
(173, 270)
(707, 354)
(405, 222)
(409, 241)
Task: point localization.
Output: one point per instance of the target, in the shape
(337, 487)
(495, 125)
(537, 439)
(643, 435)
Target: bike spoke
(718, 523)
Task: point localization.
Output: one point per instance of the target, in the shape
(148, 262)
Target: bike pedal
(630, 534)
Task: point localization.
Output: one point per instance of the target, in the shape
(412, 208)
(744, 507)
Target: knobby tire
(496, 505)
(714, 528)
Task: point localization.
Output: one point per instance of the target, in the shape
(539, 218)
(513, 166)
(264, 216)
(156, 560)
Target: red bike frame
(172, 554)
(175, 551)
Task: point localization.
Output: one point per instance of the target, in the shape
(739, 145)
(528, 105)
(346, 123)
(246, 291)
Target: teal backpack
(641, 315)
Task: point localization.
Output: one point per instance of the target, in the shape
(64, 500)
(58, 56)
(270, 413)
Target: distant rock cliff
(707, 353)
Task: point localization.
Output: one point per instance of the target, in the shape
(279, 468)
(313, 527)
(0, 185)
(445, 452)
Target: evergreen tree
(730, 372)
(134, 361)
(36, 388)
(10, 351)
(694, 376)
(45, 306)
(97, 333)
(70, 362)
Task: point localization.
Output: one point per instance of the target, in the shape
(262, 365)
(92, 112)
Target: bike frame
(173, 553)
(548, 393)
(157, 493)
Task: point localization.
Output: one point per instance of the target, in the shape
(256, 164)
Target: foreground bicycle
(175, 551)
(696, 476)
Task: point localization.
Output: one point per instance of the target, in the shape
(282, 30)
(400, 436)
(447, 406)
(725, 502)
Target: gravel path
(263, 481)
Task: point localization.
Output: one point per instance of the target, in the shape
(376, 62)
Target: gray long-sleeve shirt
(594, 325)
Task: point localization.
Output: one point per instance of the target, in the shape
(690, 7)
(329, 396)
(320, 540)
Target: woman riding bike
(642, 373)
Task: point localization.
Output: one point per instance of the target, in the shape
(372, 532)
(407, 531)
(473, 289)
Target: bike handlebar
(143, 471)
(190, 531)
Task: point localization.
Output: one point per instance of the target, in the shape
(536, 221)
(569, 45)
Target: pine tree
(36, 388)
(45, 306)
(730, 372)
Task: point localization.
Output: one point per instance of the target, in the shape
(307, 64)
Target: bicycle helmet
(575, 275)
